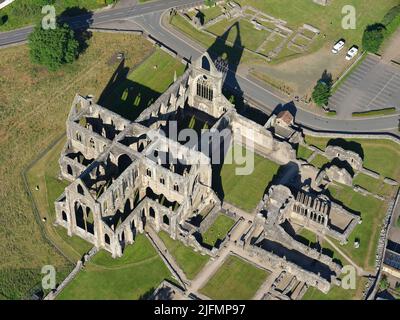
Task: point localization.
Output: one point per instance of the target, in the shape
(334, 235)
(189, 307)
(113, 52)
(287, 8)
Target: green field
(218, 230)
(326, 18)
(373, 185)
(133, 276)
(210, 13)
(337, 292)
(372, 213)
(25, 12)
(245, 191)
(304, 152)
(250, 37)
(319, 161)
(379, 155)
(143, 85)
(191, 262)
(45, 175)
(236, 279)
(29, 125)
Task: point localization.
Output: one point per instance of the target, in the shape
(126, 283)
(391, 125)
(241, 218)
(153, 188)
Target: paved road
(148, 15)
(20, 35)
(268, 100)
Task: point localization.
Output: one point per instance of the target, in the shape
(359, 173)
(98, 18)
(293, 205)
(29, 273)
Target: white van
(338, 46)
(351, 53)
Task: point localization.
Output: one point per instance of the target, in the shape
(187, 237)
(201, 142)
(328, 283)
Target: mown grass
(373, 185)
(25, 12)
(34, 104)
(372, 212)
(191, 262)
(218, 230)
(337, 292)
(319, 161)
(326, 18)
(133, 276)
(143, 85)
(44, 174)
(245, 191)
(379, 155)
(236, 279)
(304, 152)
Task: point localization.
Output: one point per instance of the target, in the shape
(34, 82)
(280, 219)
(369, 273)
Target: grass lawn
(309, 238)
(44, 174)
(218, 230)
(236, 279)
(304, 152)
(143, 85)
(26, 12)
(209, 42)
(211, 13)
(379, 155)
(34, 105)
(372, 212)
(328, 19)
(133, 276)
(250, 37)
(319, 161)
(336, 292)
(191, 262)
(245, 191)
(373, 185)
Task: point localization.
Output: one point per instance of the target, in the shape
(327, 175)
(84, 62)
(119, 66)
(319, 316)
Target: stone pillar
(128, 234)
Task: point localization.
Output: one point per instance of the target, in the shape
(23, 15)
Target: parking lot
(374, 84)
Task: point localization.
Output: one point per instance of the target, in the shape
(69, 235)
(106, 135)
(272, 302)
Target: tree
(209, 3)
(321, 93)
(53, 47)
(384, 283)
(373, 37)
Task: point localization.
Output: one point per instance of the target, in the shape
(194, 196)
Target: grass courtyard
(34, 105)
(190, 261)
(245, 191)
(303, 152)
(380, 156)
(143, 85)
(236, 279)
(372, 213)
(218, 230)
(133, 276)
(337, 292)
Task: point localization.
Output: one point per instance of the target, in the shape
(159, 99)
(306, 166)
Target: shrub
(209, 3)
(321, 93)
(373, 37)
(53, 47)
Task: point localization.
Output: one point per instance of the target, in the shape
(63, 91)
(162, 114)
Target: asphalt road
(148, 16)
(266, 99)
(20, 35)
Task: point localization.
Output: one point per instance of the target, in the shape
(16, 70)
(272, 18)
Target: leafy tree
(384, 283)
(209, 3)
(373, 37)
(53, 47)
(321, 93)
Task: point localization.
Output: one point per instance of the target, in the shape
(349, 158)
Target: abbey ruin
(128, 176)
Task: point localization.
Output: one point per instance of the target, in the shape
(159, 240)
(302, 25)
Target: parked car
(338, 46)
(351, 53)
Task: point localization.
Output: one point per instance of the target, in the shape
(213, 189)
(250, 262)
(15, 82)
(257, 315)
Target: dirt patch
(302, 73)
